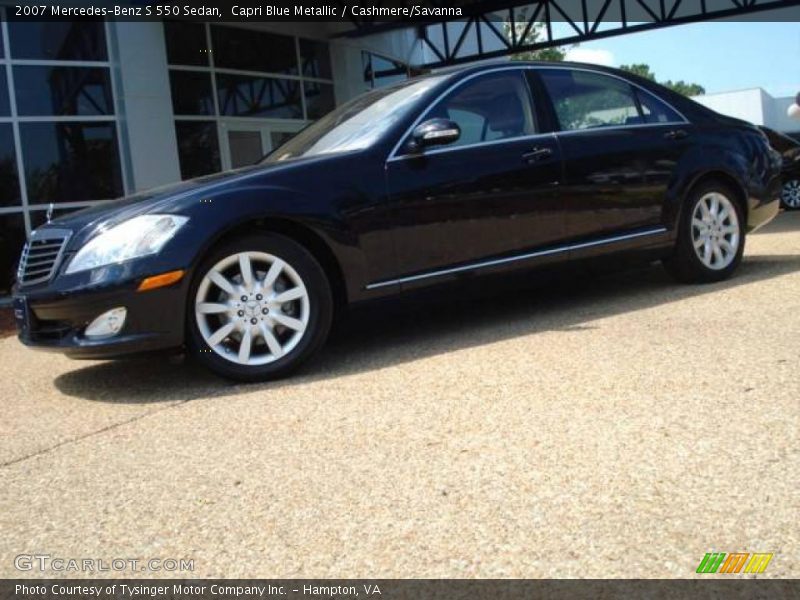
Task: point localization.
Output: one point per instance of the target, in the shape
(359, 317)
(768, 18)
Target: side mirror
(435, 132)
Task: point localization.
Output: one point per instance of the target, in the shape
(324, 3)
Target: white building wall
(743, 104)
(781, 119)
(147, 123)
(753, 105)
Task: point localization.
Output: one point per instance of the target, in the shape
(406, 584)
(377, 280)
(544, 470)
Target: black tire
(684, 264)
(790, 186)
(320, 310)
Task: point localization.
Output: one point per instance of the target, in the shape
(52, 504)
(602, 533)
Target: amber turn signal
(157, 281)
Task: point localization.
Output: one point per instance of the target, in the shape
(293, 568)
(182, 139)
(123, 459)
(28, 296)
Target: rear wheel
(711, 236)
(258, 308)
(790, 194)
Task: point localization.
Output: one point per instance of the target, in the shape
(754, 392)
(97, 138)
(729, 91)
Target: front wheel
(790, 194)
(711, 236)
(258, 308)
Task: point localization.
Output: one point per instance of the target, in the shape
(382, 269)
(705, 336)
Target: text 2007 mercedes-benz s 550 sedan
(480, 170)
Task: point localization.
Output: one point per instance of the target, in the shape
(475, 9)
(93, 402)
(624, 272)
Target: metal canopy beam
(496, 28)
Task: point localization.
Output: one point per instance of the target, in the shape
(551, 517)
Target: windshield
(356, 124)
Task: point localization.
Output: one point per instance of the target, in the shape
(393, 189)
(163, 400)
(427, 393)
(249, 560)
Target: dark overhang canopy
(495, 28)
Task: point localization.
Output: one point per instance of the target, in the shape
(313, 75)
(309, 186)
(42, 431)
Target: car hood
(169, 199)
(130, 206)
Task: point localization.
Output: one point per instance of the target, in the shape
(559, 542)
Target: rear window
(589, 100)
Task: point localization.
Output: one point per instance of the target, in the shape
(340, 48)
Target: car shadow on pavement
(386, 334)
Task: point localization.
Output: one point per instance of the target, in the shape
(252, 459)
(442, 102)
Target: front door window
(488, 108)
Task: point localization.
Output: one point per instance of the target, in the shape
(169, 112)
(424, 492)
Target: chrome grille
(41, 256)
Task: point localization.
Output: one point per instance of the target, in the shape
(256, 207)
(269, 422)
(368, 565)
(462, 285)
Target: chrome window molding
(443, 149)
(516, 258)
(619, 127)
(393, 155)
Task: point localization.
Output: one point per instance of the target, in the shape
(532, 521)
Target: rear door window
(588, 100)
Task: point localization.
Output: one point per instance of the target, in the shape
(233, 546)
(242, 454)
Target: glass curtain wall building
(94, 110)
(59, 130)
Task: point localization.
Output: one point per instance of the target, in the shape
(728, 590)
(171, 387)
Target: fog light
(108, 324)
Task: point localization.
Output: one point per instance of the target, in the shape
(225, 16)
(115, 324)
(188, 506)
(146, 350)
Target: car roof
(688, 107)
(494, 64)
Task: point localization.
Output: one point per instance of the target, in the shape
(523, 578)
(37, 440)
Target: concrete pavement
(621, 425)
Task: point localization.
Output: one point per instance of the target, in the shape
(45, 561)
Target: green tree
(555, 54)
(640, 69)
(687, 89)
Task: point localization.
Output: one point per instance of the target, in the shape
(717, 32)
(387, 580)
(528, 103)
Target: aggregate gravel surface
(602, 424)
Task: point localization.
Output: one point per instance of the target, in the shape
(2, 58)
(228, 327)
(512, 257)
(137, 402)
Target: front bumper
(56, 321)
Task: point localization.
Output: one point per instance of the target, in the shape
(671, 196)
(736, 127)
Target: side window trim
(543, 106)
(635, 87)
(531, 107)
(395, 153)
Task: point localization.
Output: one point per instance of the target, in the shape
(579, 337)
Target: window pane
(245, 148)
(277, 138)
(70, 162)
(380, 71)
(319, 99)
(186, 43)
(198, 148)
(57, 40)
(655, 111)
(250, 50)
(471, 125)
(386, 71)
(9, 179)
(244, 96)
(12, 238)
(488, 108)
(586, 100)
(45, 91)
(191, 93)
(316, 59)
(5, 109)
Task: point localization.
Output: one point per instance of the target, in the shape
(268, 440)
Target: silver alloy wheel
(252, 308)
(791, 193)
(715, 231)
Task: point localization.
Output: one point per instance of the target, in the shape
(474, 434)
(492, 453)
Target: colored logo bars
(719, 562)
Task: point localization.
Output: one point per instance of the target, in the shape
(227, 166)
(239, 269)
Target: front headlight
(133, 238)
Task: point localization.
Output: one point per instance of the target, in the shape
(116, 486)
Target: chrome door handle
(676, 134)
(537, 154)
